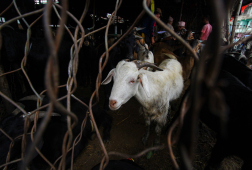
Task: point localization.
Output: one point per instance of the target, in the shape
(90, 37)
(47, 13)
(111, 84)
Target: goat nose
(112, 103)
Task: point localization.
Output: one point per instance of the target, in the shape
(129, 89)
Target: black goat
(11, 56)
(51, 143)
(13, 52)
(238, 69)
(239, 57)
(13, 126)
(233, 132)
(124, 50)
(236, 140)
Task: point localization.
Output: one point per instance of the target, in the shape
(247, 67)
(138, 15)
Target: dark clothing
(182, 32)
(147, 40)
(149, 25)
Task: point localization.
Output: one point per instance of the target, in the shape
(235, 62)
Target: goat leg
(158, 130)
(107, 122)
(147, 132)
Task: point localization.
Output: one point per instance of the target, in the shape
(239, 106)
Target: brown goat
(187, 63)
(162, 51)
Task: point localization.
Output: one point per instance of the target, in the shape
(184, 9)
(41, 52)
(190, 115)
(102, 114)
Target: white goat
(144, 54)
(154, 90)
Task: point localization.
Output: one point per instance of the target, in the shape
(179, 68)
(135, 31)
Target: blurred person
(157, 27)
(168, 37)
(149, 25)
(206, 30)
(181, 29)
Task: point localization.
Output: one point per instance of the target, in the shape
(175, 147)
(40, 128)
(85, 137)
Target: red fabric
(153, 29)
(206, 30)
(244, 7)
(242, 10)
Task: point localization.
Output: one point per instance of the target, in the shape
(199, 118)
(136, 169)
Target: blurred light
(108, 15)
(2, 19)
(44, 1)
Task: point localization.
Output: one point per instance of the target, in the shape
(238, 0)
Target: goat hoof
(106, 139)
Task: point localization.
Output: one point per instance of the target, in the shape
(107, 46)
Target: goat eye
(132, 81)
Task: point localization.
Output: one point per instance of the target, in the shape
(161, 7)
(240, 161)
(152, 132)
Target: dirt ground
(127, 130)
(126, 133)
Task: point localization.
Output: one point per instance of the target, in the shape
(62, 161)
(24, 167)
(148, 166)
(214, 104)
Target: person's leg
(147, 40)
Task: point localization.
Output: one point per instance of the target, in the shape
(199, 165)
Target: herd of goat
(153, 86)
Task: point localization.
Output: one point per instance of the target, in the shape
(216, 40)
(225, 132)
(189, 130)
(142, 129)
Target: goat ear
(145, 84)
(109, 77)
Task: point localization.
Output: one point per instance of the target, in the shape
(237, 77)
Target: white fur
(150, 58)
(141, 55)
(156, 91)
(242, 56)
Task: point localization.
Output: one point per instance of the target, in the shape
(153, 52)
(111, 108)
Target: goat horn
(138, 36)
(171, 56)
(242, 56)
(17, 110)
(10, 27)
(31, 97)
(42, 114)
(139, 28)
(141, 64)
(90, 28)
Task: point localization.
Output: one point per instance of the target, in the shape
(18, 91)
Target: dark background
(192, 13)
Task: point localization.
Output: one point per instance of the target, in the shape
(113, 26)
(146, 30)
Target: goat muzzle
(112, 103)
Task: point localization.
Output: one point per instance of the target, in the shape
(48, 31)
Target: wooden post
(94, 15)
(235, 21)
(4, 87)
(227, 25)
(182, 3)
(93, 19)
